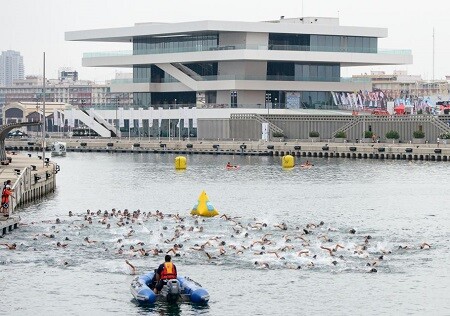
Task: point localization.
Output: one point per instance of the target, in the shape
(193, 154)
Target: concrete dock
(298, 148)
(32, 178)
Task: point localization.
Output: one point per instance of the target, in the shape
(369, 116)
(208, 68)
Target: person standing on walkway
(6, 193)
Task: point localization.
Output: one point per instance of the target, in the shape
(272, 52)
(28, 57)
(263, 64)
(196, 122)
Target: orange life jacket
(169, 271)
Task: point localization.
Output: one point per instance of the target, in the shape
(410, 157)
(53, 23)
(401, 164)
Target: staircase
(272, 127)
(115, 132)
(349, 125)
(99, 128)
(188, 71)
(439, 124)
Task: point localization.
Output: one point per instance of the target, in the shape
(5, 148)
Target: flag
(55, 117)
(121, 119)
(160, 114)
(131, 120)
(150, 117)
(141, 114)
(72, 118)
(194, 117)
(186, 117)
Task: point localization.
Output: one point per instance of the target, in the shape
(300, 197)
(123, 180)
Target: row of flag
(184, 113)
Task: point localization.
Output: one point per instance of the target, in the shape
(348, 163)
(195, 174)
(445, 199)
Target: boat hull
(189, 291)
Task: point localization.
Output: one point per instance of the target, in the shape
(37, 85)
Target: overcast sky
(35, 26)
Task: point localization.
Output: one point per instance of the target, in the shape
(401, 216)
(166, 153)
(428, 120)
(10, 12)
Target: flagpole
(43, 117)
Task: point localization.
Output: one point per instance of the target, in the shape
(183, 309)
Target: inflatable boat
(181, 289)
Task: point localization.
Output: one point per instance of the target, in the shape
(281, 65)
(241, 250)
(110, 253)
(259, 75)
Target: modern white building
(11, 67)
(283, 64)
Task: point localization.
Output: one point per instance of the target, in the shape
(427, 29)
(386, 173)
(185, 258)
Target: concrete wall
(213, 129)
(299, 126)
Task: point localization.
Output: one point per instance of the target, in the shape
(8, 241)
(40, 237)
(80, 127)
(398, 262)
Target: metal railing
(201, 48)
(250, 77)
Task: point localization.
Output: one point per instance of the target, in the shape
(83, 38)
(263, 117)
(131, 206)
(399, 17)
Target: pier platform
(8, 225)
(298, 148)
(32, 178)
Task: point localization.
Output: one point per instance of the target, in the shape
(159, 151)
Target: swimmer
(281, 226)
(10, 246)
(330, 251)
(58, 244)
(86, 239)
(209, 256)
(425, 246)
(263, 265)
(304, 252)
(133, 268)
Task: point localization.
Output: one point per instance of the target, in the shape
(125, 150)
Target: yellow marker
(204, 207)
(288, 161)
(180, 163)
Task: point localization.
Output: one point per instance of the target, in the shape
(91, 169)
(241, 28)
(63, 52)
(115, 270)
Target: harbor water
(399, 205)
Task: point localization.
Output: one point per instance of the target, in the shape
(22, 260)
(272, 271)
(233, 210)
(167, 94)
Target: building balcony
(301, 48)
(236, 82)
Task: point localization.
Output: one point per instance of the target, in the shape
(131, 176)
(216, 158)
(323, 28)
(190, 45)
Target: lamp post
(116, 121)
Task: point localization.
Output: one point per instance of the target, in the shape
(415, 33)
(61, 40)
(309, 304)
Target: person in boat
(166, 271)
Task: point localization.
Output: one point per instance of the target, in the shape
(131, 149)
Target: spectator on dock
(6, 193)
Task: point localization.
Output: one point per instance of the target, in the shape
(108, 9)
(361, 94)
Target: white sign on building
(265, 131)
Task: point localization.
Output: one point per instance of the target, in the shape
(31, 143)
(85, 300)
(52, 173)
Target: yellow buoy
(180, 163)
(288, 161)
(204, 207)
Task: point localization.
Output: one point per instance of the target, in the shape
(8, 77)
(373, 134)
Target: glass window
(321, 41)
(314, 42)
(321, 72)
(336, 72)
(366, 45)
(336, 43)
(373, 45)
(328, 43)
(329, 73)
(351, 43)
(358, 44)
(344, 44)
(313, 71)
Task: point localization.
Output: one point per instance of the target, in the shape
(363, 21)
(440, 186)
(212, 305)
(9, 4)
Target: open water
(396, 203)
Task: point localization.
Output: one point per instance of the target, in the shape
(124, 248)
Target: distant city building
(67, 74)
(400, 85)
(81, 93)
(283, 64)
(11, 67)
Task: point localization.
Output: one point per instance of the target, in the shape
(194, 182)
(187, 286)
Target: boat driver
(166, 271)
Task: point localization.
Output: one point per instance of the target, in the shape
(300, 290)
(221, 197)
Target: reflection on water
(395, 203)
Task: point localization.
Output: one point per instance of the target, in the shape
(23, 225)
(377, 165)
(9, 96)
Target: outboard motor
(171, 291)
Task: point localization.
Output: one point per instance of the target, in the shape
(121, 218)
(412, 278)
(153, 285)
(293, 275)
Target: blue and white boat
(180, 289)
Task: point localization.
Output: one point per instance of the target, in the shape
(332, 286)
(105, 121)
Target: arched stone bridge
(5, 129)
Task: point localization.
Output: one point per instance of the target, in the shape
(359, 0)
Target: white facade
(240, 64)
(11, 67)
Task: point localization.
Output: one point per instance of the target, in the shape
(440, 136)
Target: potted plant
(393, 136)
(368, 137)
(445, 137)
(418, 137)
(278, 136)
(314, 136)
(340, 136)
